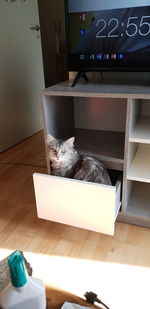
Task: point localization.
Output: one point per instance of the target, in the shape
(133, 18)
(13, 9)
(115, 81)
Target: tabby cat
(65, 161)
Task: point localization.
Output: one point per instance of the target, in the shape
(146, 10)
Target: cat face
(59, 151)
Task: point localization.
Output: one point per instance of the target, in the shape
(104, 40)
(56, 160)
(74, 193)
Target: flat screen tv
(108, 35)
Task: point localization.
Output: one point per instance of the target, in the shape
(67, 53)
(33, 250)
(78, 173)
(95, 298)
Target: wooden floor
(73, 259)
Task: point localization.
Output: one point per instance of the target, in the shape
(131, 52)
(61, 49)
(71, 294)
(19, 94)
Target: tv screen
(108, 35)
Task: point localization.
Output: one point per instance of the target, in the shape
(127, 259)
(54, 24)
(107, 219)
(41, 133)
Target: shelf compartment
(140, 166)
(139, 200)
(106, 145)
(59, 118)
(141, 131)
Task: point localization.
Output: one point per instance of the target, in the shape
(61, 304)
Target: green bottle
(18, 272)
(23, 292)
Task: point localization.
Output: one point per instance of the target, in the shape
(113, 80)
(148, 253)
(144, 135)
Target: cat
(65, 161)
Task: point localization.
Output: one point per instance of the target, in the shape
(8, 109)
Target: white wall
(21, 72)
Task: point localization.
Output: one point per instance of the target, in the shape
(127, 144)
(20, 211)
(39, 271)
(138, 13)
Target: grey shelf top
(139, 89)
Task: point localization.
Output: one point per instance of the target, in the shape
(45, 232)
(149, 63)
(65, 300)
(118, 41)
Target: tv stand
(112, 122)
(78, 76)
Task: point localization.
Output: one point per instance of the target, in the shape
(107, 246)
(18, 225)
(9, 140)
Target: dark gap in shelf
(115, 175)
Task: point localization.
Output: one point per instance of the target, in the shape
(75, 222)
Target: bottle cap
(18, 273)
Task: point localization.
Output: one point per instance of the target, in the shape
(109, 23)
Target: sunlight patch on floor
(119, 286)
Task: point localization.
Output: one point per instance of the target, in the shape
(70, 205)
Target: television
(107, 35)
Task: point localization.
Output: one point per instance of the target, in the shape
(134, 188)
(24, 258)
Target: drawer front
(78, 203)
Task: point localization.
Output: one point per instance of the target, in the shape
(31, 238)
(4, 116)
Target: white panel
(85, 205)
(118, 203)
(140, 167)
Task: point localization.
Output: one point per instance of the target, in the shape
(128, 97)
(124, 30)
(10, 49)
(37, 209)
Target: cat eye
(63, 151)
(53, 150)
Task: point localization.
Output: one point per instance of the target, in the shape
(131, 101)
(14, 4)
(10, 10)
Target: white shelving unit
(138, 162)
(112, 122)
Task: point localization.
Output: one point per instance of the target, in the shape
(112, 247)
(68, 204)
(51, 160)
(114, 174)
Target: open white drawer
(82, 204)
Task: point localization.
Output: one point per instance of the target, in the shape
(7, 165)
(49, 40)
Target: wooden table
(56, 298)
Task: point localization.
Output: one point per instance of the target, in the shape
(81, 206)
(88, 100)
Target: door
(21, 71)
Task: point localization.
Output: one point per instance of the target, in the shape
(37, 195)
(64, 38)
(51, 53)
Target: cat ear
(70, 141)
(50, 139)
